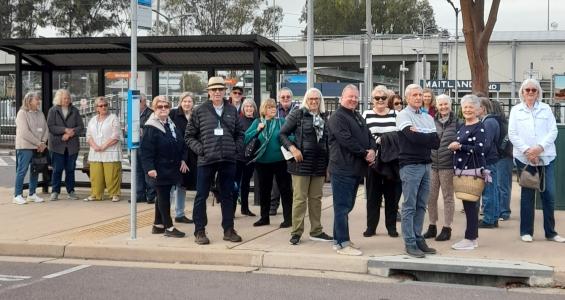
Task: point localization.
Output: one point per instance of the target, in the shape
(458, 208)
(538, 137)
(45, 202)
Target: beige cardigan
(31, 129)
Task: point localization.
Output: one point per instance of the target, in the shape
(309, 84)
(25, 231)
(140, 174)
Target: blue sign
(133, 119)
(144, 2)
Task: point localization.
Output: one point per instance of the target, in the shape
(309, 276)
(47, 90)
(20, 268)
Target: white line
(67, 271)
(3, 163)
(13, 277)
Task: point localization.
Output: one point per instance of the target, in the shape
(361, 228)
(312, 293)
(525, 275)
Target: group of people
(412, 151)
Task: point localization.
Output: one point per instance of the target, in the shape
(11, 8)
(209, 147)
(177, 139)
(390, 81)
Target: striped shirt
(379, 124)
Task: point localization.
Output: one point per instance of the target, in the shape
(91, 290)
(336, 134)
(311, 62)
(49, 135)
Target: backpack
(503, 145)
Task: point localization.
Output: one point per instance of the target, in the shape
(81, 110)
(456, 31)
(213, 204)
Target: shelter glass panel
(173, 83)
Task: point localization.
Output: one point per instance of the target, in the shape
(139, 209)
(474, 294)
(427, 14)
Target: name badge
(219, 131)
(40, 129)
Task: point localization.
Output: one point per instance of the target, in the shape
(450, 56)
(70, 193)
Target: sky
(513, 15)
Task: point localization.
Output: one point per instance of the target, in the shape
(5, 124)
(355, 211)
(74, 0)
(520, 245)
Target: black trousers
(265, 174)
(163, 206)
(377, 187)
(472, 216)
(243, 175)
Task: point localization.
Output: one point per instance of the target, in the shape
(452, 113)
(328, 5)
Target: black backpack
(503, 145)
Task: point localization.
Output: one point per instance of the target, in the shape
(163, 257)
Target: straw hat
(216, 83)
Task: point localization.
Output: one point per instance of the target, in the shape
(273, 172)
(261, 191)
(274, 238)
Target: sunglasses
(102, 105)
(531, 90)
(216, 90)
(285, 97)
(397, 103)
(236, 93)
(162, 107)
(379, 98)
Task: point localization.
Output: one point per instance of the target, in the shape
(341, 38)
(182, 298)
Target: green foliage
(269, 23)
(344, 17)
(82, 18)
(20, 19)
(193, 83)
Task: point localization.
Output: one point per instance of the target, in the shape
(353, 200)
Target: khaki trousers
(307, 192)
(105, 175)
(444, 179)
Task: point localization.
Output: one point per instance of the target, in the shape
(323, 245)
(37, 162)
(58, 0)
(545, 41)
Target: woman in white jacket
(532, 130)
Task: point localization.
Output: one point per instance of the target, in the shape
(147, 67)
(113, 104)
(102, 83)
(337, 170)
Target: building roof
(163, 51)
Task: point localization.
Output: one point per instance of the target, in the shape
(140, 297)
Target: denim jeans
(144, 188)
(491, 210)
(527, 208)
(504, 173)
(344, 190)
(416, 188)
(67, 163)
(226, 173)
(23, 161)
(179, 194)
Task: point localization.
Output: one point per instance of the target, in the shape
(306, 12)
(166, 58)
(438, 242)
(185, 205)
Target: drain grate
(115, 227)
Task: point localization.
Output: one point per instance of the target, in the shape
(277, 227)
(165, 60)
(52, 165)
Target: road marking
(67, 271)
(13, 277)
(3, 163)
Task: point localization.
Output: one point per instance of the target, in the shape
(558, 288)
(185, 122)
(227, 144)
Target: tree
(477, 36)
(343, 17)
(20, 19)
(193, 83)
(82, 18)
(241, 15)
(269, 23)
(6, 16)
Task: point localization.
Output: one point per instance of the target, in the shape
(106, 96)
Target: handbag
(531, 180)
(468, 187)
(39, 162)
(251, 148)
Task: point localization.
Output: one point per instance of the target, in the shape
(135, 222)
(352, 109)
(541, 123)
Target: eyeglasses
(379, 98)
(236, 93)
(531, 90)
(102, 105)
(162, 106)
(397, 103)
(285, 97)
(314, 98)
(216, 90)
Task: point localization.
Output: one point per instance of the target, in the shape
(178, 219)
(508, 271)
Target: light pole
(457, 10)
(403, 70)
(418, 51)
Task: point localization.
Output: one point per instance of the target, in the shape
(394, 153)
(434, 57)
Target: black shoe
(285, 224)
(431, 233)
(393, 233)
(295, 239)
(247, 213)
(273, 212)
(174, 233)
(183, 219)
(444, 235)
(482, 224)
(200, 238)
(414, 251)
(137, 201)
(322, 237)
(157, 230)
(150, 201)
(261, 222)
(231, 235)
(369, 233)
(424, 247)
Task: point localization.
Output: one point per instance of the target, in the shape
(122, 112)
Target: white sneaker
(115, 198)
(19, 200)
(35, 198)
(89, 198)
(476, 243)
(557, 239)
(527, 238)
(464, 244)
(348, 250)
(351, 244)
(54, 196)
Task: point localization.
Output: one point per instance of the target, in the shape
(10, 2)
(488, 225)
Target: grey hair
(310, 91)
(59, 94)
(184, 95)
(443, 97)
(411, 87)
(472, 99)
(349, 87)
(527, 82)
(250, 102)
(142, 96)
(99, 99)
(285, 89)
(27, 99)
(380, 88)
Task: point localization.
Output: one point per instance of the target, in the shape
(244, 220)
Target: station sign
(462, 85)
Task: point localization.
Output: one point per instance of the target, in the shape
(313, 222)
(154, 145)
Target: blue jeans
(144, 188)
(344, 190)
(226, 173)
(415, 188)
(527, 208)
(504, 173)
(180, 195)
(67, 163)
(491, 210)
(23, 161)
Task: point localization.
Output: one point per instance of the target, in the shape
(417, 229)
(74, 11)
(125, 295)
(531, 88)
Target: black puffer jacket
(442, 158)
(209, 147)
(315, 153)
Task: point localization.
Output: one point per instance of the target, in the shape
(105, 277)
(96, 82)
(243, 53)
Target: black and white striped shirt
(378, 124)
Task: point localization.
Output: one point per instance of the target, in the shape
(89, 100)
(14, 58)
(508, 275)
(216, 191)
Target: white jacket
(530, 127)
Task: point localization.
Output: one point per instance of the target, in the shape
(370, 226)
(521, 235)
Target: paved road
(60, 281)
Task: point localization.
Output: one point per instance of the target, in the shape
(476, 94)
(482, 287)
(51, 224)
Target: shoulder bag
(534, 180)
(469, 187)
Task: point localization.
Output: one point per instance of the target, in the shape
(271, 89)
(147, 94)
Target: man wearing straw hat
(215, 135)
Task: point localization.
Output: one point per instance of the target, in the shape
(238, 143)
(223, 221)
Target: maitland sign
(462, 85)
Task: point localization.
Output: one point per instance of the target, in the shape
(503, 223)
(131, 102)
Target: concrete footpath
(100, 230)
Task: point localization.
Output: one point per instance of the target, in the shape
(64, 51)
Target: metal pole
(310, 38)
(547, 15)
(369, 61)
(158, 16)
(456, 54)
(133, 86)
(440, 62)
(417, 67)
(513, 87)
